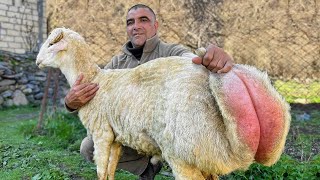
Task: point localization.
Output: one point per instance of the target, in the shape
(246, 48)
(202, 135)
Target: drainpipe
(40, 23)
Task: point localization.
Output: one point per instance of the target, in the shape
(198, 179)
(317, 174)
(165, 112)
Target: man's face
(141, 25)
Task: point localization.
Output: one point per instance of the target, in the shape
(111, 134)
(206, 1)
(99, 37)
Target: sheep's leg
(102, 146)
(210, 176)
(183, 171)
(113, 160)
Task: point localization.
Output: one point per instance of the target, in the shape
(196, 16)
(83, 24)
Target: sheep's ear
(58, 44)
(58, 37)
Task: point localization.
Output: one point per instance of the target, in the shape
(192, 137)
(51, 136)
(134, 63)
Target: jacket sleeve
(112, 64)
(177, 50)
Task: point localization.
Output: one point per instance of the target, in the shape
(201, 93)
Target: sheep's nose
(38, 63)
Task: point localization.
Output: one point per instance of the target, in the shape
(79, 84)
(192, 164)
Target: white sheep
(198, 121)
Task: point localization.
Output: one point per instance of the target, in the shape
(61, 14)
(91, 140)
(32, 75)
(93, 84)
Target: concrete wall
(19, 25)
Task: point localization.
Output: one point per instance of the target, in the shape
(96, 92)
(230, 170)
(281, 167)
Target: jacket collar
(149, 46)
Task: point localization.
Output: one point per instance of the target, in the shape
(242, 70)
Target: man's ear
(156, 25)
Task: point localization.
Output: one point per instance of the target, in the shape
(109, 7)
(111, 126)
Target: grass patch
(297, 92)
(55, 153)
(285, 168)
(52, 155)
(24, 155)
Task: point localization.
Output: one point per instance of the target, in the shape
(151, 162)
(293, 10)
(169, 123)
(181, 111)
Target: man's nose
(136, 25)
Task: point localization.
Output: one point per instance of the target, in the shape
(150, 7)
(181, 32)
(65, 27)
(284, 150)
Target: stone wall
(22, 82)
(19, 25)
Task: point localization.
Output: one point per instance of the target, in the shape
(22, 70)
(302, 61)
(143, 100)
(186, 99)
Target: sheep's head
(56, 48)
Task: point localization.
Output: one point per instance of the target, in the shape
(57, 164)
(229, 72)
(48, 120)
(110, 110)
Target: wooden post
(44, 101)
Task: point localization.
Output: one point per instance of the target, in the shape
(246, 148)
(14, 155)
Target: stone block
(3, 12)
(27, 91)
(40, 78)
(20, 51)
(21, 27)
(13, 14)
(38, 96)
(12, 87)
(41, 73)
(3, 44)
(29, 17)
(18, 27)
(6, 25)
(13, 76)
(28, 22)
(3, 32)
(22, 87)
(18, 39)
(3, 88)
(8, 103)
(13, 32)
(18, 3)
(4, 6)
(7, 82)
(7, 49)
(7, 94)
(8, 38)
(4, 19)
(35, 82)
(15, 20)
(30, 86)
(7, 2)
(15, 45)
(25, 10)
(31, 77)
(30, 98)
(19, 98)
(13, 8)
(36, 89)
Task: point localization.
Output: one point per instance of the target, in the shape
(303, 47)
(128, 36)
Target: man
(143, 46)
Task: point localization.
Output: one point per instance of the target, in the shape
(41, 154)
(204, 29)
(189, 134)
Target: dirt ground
(303, 141)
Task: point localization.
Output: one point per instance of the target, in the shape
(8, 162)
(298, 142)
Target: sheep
(200, 122)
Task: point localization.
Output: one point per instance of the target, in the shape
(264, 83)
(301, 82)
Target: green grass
(298, 92)
(52, 155)
(285, 168)
(26, 156)
(55, 153)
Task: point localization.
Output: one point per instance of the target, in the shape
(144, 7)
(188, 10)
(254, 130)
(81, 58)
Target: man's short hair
(137, 6)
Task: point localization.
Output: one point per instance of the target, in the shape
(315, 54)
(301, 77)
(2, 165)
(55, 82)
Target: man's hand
(215, 59)
(80, 94)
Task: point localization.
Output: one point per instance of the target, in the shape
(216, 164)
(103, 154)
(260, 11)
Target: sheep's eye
(50, 44)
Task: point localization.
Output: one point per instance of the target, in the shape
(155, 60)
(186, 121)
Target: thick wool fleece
(177, 110)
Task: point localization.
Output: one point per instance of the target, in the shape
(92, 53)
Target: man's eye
(129, 22)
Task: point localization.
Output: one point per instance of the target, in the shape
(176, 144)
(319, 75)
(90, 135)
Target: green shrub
(65, 128)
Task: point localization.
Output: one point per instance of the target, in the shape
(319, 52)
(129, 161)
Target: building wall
(19, 25)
